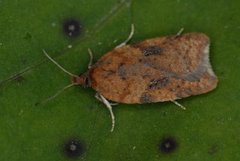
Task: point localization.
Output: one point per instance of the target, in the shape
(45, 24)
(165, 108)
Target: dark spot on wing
(168, 145)
(184, 92)
(158, 83)
(151, 50)
(72, 27)
(122, 71)
(108, 73)
(146, 75)
(146, 98)
(137, 45)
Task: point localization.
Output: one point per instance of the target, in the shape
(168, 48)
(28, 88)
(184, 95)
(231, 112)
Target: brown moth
(154, 70)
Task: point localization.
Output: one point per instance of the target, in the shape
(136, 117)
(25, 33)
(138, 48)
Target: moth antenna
(178, 104)
(91, 58)
(129, 37)
(56, 94)
(180, 32)
(59, 66)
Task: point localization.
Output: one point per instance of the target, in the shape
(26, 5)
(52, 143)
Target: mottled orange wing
(155, 70)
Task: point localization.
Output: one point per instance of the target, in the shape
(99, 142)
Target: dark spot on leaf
(27, 36)
(158, 83)
(213, 149)
(37, 104)
(74, 148)
(151, 50)
(72, 27)
(19, 78)
(24, 61)
(168, 145)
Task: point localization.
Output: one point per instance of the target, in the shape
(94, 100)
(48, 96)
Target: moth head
(82, 80)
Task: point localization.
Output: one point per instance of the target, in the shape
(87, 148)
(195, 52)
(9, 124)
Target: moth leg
(180, 32)
(91, 58)
(178, 104)
(99, 99)
(109, 107)
(113, 103)
(129, 37)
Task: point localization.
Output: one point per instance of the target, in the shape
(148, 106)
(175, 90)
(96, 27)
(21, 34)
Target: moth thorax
(80, 80)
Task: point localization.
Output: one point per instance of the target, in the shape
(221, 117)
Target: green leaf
(208, 130)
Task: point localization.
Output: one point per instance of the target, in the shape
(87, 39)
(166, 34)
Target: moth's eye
(86, 82)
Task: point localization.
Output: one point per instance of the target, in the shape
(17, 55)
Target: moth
(154, 70)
